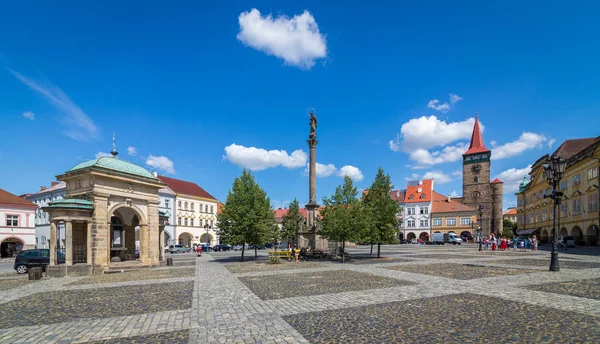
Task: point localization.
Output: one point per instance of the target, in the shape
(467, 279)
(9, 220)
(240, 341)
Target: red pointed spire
(477, 145)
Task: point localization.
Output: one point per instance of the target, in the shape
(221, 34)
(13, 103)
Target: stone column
(89, 243)
(309, 238)
(53, 243)
(161, 250)
(69, 243)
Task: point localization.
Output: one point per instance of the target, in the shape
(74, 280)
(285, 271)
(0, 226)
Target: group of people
(298, 253)
(504, 244)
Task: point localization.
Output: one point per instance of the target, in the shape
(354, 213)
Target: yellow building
(510, 214)
(451, 216)
(579, 213)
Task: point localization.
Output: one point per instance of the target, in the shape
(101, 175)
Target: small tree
(292, 222)
(342, 218)
(507, 228)
(382, 211)
(246, 217)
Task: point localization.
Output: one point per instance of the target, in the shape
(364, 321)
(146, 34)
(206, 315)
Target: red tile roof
(512, 211)
(282, 211)
(413, 190)
(440, 204)
(476, 145)
(398, 195)
(8, 199)
(571, 147)
(496, 181)
(185, 188)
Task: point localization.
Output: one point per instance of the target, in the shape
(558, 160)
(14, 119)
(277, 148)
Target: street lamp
(554, 168)
(206, 226)
(480, 230)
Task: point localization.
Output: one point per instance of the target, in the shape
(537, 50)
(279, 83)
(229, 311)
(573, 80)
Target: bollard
(35, 273)
(169, 261)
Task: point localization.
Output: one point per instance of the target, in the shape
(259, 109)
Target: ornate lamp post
(554, 168)
(206, 227)
(480, 230)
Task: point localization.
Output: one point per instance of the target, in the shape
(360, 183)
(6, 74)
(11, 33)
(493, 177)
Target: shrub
(274, 260)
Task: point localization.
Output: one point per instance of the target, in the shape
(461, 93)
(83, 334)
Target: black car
(221, 247)
(32, 258)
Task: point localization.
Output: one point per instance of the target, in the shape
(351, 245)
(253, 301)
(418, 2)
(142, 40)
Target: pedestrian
(199, 250)
(515, 244)
(303, 253)
(295, 253)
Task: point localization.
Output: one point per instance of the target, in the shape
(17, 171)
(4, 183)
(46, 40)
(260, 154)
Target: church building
(478, 191)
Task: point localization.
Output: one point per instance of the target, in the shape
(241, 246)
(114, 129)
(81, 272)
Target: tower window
(476, 180)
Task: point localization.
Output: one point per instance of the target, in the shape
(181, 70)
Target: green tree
(292, 222)
(507, 228)
(246, 217)
(382, 211)
(342, 218)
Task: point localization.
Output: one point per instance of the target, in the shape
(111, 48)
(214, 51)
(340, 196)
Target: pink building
(17, 224)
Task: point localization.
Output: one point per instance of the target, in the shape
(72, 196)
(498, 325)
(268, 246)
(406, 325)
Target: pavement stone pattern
(7, 283)
(566, 264)
(589, 289)
(259, 266)
(315, 283)
(136, 275)
(461, 271)
(372, 260)
(215, 305)
(457, 318)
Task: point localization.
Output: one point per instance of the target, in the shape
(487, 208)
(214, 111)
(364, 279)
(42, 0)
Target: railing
(79, 255)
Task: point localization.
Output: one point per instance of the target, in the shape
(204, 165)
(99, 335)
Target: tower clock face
(476, 169)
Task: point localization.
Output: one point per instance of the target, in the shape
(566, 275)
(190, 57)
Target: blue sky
(193, 88)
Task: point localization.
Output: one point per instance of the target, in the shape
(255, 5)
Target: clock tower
(477, 188)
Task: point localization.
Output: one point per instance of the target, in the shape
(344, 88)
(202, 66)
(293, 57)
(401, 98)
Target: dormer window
(411, 197)
(422, 196)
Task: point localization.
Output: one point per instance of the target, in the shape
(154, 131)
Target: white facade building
(17, 224)
(417, 210)
(55, 192)
(167, 208)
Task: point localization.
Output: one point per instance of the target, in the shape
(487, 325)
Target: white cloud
(551, 143)
(493, 143)
(447, 154)
(29, 115)
(412, 177)
(323, 170)
(131, 150)
(78, 125)
(353, 172)
(453, 194)
(437, 105)
(257, 159)
(438, 177)
(524, 142)
(512, 178)
(101, 154)
(296, 40)
(161, 163)
(457, 173)
(429, 132)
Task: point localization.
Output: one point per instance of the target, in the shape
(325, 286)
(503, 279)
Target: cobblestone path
(418, 296)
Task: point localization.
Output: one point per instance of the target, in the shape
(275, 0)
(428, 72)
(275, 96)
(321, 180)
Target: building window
(179, 204)
(593, 202)
(537, 217)
(410, 223)
(465, 221)
(576, 207)
(211, 223)
(593, 173)
(185, 206)
(576, 180)
(436, 222)
(192, 221)
(185, 221)
(192, 205)
(563, 185)
(167, 203)
(179, 221)
(424, 223)
(410, 211)
(424, 210)
(451, 221)
(476, 180)
(563, 209)
(12, 220)
(411, 197)
(545, 215)
(211, 209)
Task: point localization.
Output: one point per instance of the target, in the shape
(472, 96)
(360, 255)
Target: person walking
(199, 250)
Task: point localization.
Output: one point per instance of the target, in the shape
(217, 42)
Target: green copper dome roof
(523, 184)
(115, 164)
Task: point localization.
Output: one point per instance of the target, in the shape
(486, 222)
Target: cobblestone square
(441, 256)
(257, 266)
(138, 275)
(9, 283)
(582, 288)
(460, 271)
(567, 264)
(173, 337)
(373, 260)
(461, 318)
(315, 283)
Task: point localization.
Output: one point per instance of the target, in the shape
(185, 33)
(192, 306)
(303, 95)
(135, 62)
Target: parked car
(32, 258)
(205, 247)
(221, 247)
(569, 241)
(239, 247)
(414, 241)
(179, 249)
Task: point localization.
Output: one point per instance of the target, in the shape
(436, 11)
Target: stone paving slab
(441, 256)
(589, 288)
(260, 266)
(304, 284)
(173, 337)
(63, 306)
(460, 271)
(449, 319)
(566, 264)
(6, 284)
(136, 275)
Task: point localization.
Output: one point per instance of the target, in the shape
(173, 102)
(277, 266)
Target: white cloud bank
(297, 40)
(257, 159)
(438, 177)
(512, 178)
(330, 170)
(29, 115)
(161, 163)
(131, 150)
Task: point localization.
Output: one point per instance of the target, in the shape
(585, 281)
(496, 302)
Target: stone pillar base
(69, 270)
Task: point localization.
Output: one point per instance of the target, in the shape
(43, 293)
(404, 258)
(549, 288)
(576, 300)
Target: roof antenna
(114, 151)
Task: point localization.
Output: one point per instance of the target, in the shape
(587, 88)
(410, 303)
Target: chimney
(53, 184)
(42, 188)
(420, 182)
(420, 190)
(449, 197)
(397, 193)
(155, 174)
